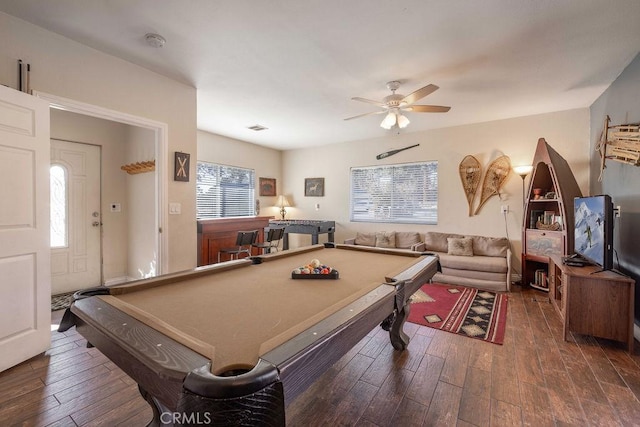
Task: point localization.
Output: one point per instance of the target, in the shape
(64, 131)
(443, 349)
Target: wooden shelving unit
(548, 215)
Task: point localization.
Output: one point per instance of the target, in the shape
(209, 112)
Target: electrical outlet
(617, 211)
(504, 209)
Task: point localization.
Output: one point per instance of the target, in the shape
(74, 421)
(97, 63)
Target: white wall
(567, 132)
(141, 206)
(62, 67)
(231, 152)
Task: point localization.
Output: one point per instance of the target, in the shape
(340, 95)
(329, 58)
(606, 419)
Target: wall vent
(257, 128)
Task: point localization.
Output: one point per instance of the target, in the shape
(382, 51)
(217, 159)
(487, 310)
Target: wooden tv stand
(592, 302)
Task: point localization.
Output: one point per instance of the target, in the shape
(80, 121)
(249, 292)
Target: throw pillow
(436, 241)
(385, 239)
(459, 246)
(490, 246)
(365, 239)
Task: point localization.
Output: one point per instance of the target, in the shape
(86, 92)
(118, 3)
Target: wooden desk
(592, 302)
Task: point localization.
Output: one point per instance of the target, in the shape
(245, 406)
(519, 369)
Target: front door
(25, 271)
(75, 216)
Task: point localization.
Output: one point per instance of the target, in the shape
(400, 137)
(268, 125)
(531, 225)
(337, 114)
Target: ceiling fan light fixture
(396, 104)
(389, 121)
(403, 121)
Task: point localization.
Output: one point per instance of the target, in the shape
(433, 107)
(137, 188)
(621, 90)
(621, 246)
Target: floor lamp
(523, 171)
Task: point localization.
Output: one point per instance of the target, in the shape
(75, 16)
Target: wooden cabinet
(214, 234)
(548, 215)
(592, 302)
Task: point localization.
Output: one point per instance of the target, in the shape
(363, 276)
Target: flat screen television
(593, 232)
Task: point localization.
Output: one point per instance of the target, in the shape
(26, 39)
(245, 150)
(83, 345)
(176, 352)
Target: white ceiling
(294, 65)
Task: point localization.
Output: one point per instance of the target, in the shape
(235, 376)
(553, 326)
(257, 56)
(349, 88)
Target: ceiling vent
(257, 128)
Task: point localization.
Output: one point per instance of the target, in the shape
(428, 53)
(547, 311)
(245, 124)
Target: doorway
(116, 205)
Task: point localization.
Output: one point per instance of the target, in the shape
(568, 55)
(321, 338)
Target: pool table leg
(396, 320)
(155, 407)
(399, 339)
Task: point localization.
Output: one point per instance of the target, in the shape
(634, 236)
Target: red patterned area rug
(466, 311)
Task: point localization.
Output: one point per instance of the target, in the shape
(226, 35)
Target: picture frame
(314, 187)
(267, 186)
(181, 167)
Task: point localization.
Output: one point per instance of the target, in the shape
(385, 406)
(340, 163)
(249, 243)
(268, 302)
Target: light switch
(175, 208)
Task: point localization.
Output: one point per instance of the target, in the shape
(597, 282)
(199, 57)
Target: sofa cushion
(460, 246)
(489, 285)
(366, 239)
(385, 239)
(474, 274)
(435, 241)
(477, 263)
(490, 246)
(406, 239)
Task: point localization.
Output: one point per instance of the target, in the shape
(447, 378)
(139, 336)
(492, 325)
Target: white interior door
(76, 217)
(25, 272)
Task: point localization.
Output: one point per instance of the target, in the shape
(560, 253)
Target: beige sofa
(475, 261)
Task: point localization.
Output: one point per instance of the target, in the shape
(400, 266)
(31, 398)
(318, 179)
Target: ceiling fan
(395, 104)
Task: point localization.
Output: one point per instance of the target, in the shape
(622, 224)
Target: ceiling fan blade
(419, 94)
(365, 114)
(370, 101)
(427, 109)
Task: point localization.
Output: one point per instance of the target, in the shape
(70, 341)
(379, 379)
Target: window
(405, 193)
(58, 194)
(224, 191)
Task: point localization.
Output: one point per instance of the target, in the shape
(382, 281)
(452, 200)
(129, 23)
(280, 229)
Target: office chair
(244, 241)
(274, 235)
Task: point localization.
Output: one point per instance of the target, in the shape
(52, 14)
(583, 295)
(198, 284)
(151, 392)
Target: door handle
(96, 223)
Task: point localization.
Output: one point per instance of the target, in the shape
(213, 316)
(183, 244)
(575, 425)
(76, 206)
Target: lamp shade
(389, 121)
(282, 201)
(402, 121)
(523, 170)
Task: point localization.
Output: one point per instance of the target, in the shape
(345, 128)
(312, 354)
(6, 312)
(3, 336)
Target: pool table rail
(156, 362)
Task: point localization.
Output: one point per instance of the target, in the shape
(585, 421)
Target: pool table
(233, 343)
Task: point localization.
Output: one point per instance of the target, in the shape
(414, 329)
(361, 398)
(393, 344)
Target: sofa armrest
(351, 241)
(419, 247)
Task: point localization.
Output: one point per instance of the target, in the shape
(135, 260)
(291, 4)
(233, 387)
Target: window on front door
(59, 218)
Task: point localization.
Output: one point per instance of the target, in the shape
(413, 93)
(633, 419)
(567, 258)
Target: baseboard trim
(116, 280)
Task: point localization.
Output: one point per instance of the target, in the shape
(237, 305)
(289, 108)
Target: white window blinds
(224, 191)
(403, 193)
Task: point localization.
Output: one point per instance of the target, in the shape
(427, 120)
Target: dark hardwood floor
(535, 379)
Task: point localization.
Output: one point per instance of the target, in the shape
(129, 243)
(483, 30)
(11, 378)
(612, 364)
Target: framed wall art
(267, 186)
(314, 187)
(181, 167)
